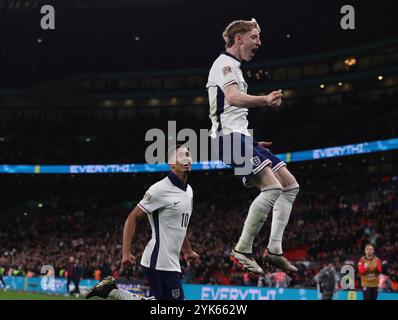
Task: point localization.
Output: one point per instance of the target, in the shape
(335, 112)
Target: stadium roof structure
(93, 36)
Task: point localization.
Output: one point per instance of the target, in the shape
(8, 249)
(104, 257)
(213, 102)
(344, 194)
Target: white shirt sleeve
(152, 200)
(225, 74)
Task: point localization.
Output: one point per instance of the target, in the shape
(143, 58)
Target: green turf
(15, 295)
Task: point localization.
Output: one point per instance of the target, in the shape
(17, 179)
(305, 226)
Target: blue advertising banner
(45, 285)
(203, 292)
(191, 291)
(331, 152)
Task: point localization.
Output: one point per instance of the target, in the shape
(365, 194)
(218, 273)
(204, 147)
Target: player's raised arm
(128, 234)
(242, 100)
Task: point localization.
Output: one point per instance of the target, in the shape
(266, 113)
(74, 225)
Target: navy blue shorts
(164, 285)
(251, 154)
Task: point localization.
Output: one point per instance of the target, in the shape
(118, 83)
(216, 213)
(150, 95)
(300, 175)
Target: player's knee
(271, 193)
(290, 192)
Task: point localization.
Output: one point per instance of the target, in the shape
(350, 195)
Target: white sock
(120, 294)
(256, 217)
(280, 217)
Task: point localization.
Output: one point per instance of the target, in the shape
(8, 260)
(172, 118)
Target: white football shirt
(168, 204)
(224, 117)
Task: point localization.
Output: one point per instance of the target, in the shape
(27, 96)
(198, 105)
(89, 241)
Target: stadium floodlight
(350, 61)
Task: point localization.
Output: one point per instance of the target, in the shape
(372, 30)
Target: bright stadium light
(129, 103)
(350, 61)
(108, 103)
(340, 84)
(173, 101)
(322, 86)
(380, 77)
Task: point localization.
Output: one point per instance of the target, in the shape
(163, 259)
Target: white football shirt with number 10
(168, 204)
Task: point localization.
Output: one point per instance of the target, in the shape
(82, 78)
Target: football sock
(256, 217)
(120, 294)
(280, 217)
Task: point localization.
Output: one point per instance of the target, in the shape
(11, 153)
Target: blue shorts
(164, 285)
(251, 154)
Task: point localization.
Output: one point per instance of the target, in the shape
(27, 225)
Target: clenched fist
(274, 99)
(128, 260)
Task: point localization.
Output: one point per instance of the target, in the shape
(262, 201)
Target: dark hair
(173, 149)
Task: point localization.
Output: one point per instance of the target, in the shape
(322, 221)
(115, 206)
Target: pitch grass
(16, 295)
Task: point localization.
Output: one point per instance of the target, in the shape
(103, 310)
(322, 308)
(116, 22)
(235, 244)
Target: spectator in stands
(280, 279)
(327, 281)
(264, 280)
(73, 275)
(335, 218)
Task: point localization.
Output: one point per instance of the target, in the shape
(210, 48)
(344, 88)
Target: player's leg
(273, 255)
(155, 281)
(107, 288)
(172, 286)
(270, 189)
(256, 166)
(282, 209)
(120, 294)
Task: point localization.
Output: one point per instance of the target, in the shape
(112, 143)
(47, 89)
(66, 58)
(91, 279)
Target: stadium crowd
(338, 210)
(104, 136)
(329, 223)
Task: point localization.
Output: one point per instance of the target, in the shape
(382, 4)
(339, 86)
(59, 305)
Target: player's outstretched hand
(274, 99)
(128, 260)
(265, 144)
(191, 257)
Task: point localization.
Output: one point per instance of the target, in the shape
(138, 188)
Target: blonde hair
(238, 26)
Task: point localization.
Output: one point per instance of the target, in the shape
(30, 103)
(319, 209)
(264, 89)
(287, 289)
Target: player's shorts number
(184, 220)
